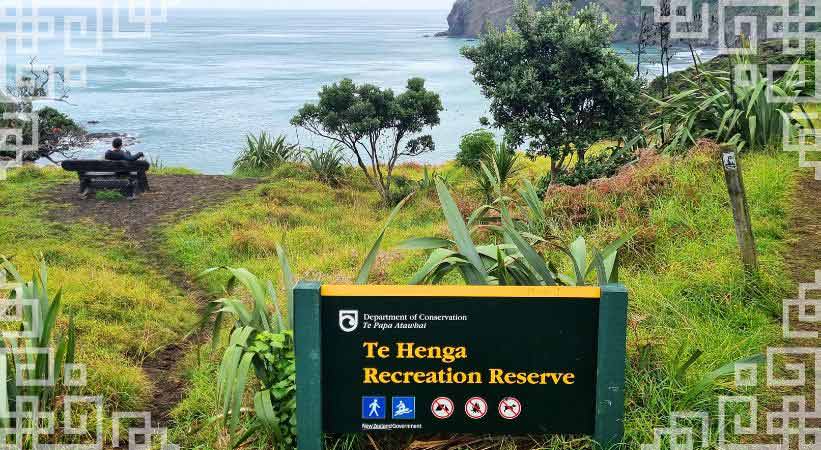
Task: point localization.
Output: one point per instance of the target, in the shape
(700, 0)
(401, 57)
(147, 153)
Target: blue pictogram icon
(373, 408)
(403, 408)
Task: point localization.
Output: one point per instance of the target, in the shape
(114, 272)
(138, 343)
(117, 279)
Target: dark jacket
(122, 155)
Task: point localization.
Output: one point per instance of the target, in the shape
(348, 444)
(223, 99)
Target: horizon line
(230, 8)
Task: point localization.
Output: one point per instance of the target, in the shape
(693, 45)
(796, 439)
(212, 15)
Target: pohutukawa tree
(554, 80)
(57, 135)
(377, 126)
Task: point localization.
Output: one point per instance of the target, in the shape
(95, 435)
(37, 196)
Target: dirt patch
(805, 221)
(171, 198)
(803, 258)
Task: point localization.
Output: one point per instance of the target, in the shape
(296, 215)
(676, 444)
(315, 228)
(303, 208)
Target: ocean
(191, 91)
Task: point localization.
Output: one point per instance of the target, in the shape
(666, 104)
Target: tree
(554, 81)
(376, 125)
(56, 133)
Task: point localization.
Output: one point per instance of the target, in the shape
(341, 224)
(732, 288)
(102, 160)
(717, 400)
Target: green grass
(688, 292)
(687, 289)
(694, 294)
(112, 196)
(123, 308)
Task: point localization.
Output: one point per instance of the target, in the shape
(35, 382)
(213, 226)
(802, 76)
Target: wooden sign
(460, 359)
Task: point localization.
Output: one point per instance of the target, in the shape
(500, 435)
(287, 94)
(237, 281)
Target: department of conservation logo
(348, 320)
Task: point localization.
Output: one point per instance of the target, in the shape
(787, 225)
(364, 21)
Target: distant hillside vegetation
(769, 52)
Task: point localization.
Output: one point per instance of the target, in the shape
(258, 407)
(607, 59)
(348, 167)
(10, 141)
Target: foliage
(768, 53)
(737, 111)
(429, 176)
(23, 356)
(264, 341)
(328, 165)
(515, 261)
(402, 188)
(554, 80)
(498, 165)
(375, 125)
(681, 268)
(602, 165)
(473, 147)
(262, 153)
(57, 133)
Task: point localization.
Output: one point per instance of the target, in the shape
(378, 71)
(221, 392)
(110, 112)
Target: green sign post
(461, 359)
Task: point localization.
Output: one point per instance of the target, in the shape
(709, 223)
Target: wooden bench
(127, 176)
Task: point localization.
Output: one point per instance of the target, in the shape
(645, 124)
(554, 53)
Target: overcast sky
(264, 4)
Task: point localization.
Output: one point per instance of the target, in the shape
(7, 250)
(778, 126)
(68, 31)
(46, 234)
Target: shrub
(20, 395)
(555, 81)
(473, 147)
(377, 126)
(263, 341)
(57, 133)
(402, 187)
(428, 181)
(718, 106)
(622, 198)
(264, 153)
(498, 166)
(512, 258)
(603, 165)
(327, 165)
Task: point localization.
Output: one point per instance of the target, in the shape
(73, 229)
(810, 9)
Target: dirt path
(805, 221)
(803, 258)
(171, 198)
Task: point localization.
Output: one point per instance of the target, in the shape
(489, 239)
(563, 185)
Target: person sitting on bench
(118, 154)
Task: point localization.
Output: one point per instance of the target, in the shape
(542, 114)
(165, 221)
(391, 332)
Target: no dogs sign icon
(510, 408)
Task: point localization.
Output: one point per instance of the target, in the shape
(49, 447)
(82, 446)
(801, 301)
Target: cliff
(468, 18)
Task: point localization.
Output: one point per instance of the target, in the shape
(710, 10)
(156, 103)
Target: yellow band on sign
(582, 292)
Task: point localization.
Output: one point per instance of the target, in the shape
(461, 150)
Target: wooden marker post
(741, 210)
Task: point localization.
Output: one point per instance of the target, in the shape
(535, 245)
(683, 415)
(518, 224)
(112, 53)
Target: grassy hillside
(687, 290)
(688, 294)
(124, 307)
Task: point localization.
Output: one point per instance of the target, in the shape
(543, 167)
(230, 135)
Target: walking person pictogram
(373, 407)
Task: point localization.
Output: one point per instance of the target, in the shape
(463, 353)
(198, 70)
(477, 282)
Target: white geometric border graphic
(30, 424)
(797, 424)
(24, 27)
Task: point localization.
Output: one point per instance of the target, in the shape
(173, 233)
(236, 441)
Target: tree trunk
(554, 170)
(580, 153)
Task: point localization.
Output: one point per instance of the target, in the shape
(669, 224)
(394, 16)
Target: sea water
(193, 87)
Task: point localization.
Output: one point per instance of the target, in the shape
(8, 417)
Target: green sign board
(461, 359)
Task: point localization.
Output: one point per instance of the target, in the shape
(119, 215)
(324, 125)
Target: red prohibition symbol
(510, 408)
(442, 407)
(476, 407)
